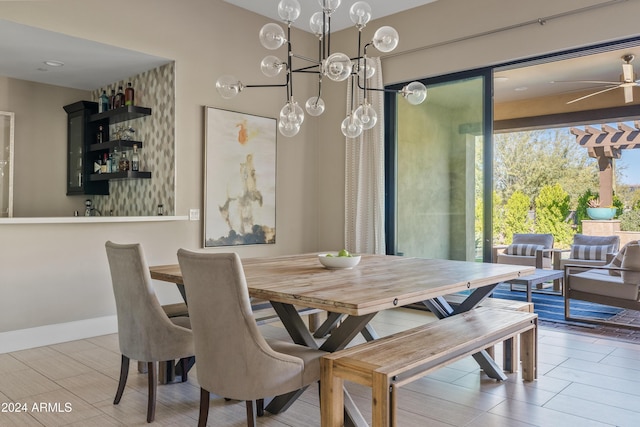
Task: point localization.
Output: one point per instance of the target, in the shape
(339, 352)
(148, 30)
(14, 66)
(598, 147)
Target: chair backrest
(584, 240)
(145, 332)
(233, 358)
(545, 240)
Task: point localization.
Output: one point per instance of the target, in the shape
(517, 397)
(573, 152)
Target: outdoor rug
(550, 306)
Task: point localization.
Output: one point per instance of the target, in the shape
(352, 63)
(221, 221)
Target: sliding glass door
(438, 158)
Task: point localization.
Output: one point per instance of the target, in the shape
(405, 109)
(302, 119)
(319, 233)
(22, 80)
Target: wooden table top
(377, 283)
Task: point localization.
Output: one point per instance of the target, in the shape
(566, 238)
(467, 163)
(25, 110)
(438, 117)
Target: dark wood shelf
(121, 114)
(119, 175)
(118, 143)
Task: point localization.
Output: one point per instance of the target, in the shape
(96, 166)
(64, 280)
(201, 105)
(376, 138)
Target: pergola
(606, 144)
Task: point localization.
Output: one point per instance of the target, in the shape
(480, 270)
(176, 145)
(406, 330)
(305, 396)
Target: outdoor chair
(533, 250)
(615, 284)
(234, 359)
(589, 251)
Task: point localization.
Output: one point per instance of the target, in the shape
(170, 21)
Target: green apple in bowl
(343, 259)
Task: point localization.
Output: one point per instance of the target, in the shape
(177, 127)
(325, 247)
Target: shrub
(630, 221)
(552, 207)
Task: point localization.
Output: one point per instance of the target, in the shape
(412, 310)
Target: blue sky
(630, 159)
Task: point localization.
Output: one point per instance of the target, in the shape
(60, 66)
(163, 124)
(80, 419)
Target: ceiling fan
(627, 82)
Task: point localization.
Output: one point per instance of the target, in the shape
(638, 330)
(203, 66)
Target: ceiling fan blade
(628, 94)
(627, 72)
(586, 81)
(592, 94)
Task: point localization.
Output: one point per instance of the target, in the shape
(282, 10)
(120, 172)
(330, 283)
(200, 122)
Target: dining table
(352, 297)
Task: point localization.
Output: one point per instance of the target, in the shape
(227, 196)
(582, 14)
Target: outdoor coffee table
(538, 278)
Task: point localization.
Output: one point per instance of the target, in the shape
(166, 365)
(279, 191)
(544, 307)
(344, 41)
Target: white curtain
(364, 177)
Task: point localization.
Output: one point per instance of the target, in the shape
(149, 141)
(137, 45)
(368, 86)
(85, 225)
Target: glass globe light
(351, 127)
(385, 39)
(337, 67)
(370, 68)
(329, 5)
(360, 13)
(415, 93)
(367, 115)
(271, 66)
(272, 36)
(314, 106)
(292, 113)
(228, 86)
(288, 129)
(316, 24)
(289, 10)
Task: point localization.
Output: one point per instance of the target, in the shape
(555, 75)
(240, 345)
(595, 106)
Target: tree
(527, 161)
(552, 208)
(516, 216)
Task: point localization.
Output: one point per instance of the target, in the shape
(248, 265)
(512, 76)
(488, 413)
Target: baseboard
(23, 339)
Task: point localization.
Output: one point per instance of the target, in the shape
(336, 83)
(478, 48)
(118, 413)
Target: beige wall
(58, 273)
(40, 147)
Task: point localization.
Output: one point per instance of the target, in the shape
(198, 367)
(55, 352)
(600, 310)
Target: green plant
(630, 220)
(516, 216)
(552, 207)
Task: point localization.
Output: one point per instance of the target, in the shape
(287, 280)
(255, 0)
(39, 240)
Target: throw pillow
(631, 260)
(522, 249)
(590, 252)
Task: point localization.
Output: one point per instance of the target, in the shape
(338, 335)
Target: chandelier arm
(271, 85)
(289, 65)
(315, 61)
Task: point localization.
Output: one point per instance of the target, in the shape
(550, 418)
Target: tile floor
(584, 380)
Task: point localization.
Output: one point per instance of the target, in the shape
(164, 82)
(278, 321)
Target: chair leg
(204, 408)
(251, 413)
(151, 405)
(260, 407)
(183, 367)
(124, 373)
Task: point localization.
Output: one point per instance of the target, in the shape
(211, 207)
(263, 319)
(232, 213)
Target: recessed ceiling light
(500, 79)
(521, 89)
(54, 63)
(41, 69)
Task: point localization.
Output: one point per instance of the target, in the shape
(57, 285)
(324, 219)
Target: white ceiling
(87, 65)
(339, 19)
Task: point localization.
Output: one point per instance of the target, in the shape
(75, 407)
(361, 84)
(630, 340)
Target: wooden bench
(390, 362)
(510, 347)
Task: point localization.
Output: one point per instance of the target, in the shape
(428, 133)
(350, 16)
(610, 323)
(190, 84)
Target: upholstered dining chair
(145, 332)
(234, 359)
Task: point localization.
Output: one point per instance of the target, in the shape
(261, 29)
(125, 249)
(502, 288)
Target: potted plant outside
(596, 212)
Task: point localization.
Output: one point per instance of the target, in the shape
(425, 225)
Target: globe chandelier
(334, 66)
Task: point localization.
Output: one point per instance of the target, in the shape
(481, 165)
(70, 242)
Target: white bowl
(336, 262)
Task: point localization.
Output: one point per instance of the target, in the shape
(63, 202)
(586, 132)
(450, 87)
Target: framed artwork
(240, 179)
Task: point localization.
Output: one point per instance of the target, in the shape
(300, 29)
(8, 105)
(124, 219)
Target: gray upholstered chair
(589, 251)
(534, 250)
(145, 332)
(234, 359)
(615, 284)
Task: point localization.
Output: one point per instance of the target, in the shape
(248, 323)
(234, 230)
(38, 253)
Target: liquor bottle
(112, 163)
(128, 95)
(112, 99)
(119, 101)
(135, 159)
(107, 162)
(124, 162)
(103, 164)
(103, 102)
(100, 135)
